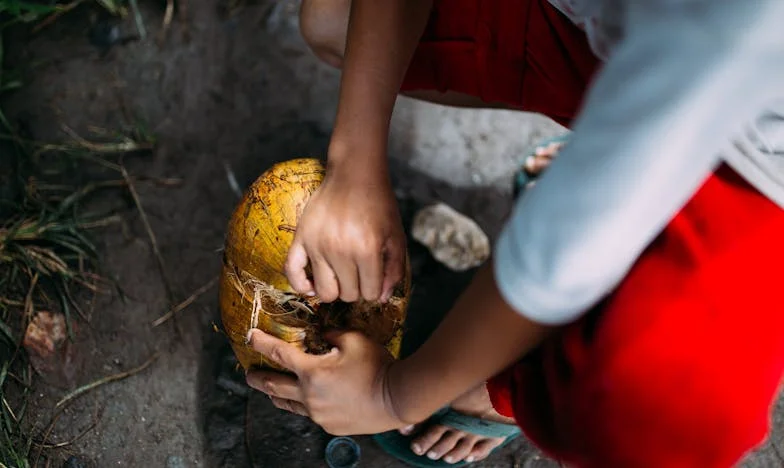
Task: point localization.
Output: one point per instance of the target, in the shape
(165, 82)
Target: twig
(10, 411)
(112, 378)
(137, 16)
(69, 442)
(122, 147)
(51, 18)
(93, 186)
(48, 431)
(103, 222)
(11, 302)
(28, 303)
(167, 17)
(184, 304)
(150, 234)
(43, 445)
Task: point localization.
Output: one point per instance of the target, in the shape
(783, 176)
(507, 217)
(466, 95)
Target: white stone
(452, 238)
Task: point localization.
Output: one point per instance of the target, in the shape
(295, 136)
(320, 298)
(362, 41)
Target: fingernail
(449, 459)
(417, 449)
(249, 335)
(311, 293)
(530, 163)
(469, 459)
(407, 430)
(432, 455)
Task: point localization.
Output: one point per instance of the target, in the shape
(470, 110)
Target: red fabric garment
(680, 365)
(522, 53)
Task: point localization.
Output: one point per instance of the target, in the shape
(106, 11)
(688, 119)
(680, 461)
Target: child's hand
(343, 391)
(351, 235)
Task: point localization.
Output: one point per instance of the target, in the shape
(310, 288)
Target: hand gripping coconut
(254, 291)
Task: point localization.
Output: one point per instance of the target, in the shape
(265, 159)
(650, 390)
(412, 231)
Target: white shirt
(686, 85)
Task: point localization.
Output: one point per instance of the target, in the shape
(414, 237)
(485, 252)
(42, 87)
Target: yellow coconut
(254, 291)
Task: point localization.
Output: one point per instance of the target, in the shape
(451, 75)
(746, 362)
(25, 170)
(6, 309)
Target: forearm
(381, 40)
(480, 337)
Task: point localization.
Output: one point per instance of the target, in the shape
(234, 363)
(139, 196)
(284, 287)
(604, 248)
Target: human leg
(506, 54)
(679, 366)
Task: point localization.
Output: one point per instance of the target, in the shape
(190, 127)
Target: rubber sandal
(523, 178)
(399, 446)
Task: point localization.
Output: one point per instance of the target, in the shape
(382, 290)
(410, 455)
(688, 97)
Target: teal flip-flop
(522, 177)
(399, 446)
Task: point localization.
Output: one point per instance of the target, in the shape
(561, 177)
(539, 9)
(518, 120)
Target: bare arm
(480, 337)
(381, 40)
(350, 232)
(358, 389)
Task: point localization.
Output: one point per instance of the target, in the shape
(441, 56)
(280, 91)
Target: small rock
(50, 351)
(175, 461)
(452, 238)
(45, 333)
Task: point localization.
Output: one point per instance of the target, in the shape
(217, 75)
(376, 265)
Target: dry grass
(47, 259)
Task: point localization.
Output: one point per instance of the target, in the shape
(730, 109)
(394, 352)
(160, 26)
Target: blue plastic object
(342, 452)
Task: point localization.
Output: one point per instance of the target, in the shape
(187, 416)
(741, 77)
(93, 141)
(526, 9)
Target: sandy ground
(240, 91)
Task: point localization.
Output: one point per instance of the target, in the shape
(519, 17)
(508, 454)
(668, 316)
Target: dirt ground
(231, 85)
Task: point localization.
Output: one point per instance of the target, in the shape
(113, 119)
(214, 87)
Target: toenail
(417, 449)
(432, 455)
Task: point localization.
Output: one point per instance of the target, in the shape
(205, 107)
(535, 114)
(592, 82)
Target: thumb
(295, 268)
(278, 351)
(343, 339)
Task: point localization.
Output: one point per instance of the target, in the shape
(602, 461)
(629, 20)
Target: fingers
(296, 262)
(278, 351)
(394, 262)
(347, 275)
(371, 270)
(290, 406)
(325, 280)
(275, 384)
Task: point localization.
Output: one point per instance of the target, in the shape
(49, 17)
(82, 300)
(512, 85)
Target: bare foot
(536, 163)
(451, 445)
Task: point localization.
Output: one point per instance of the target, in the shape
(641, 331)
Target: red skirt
(680, 364)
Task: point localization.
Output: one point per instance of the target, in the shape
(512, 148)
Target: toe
(482, 449)
(425, 441)
(448, 442)
(461, 450)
